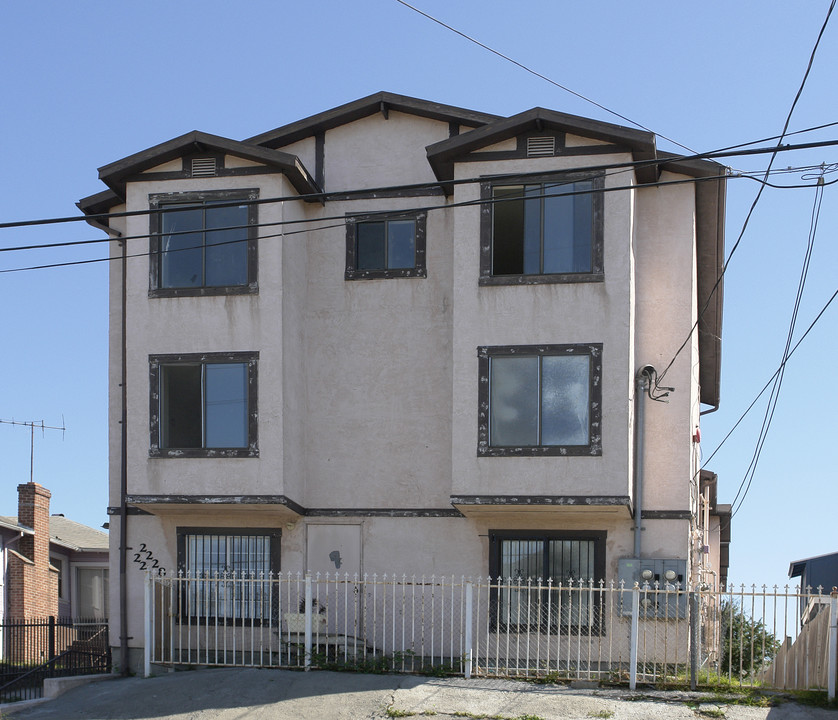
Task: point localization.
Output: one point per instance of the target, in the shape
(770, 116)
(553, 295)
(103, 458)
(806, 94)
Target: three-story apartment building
(404, 336)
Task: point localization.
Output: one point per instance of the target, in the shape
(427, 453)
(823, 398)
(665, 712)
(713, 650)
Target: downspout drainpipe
(642, 380)
(123, 484)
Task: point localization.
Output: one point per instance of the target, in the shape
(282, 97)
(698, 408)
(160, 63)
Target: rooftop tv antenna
(33, 425)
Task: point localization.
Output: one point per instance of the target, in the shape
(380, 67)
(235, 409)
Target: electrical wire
(774, 396)
(771, 379)
(379, 192)
(538, 74)
(758, 195)
(166, 252)
(366, 213)
(344, 219)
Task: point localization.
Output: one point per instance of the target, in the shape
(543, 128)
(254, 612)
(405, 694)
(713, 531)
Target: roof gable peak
(382, 102)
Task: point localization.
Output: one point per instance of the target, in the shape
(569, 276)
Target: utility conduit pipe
(642, 381)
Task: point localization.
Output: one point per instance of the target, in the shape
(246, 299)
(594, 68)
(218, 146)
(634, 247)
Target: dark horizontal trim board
(284, 501)
(216, 500)
(666, 514)
(383, 512)
(377, 194)
(567, 500)
(221, 172)
(130, 510)
(496, 155)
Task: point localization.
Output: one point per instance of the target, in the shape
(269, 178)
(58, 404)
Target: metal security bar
(499, 627)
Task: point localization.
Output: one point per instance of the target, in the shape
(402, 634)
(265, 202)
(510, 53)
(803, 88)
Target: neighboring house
(52, 566)
(400, 336)
(817, 574)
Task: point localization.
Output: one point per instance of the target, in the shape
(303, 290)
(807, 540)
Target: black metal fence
(35, 649)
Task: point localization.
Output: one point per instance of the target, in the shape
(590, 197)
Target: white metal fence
(502, 627)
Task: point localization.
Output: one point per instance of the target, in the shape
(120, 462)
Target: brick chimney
(33, 587)
(33, 512)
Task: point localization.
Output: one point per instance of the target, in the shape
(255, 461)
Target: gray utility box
(663, 586)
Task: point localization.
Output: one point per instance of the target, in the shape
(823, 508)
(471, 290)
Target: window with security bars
(228, 573)
(547, 580)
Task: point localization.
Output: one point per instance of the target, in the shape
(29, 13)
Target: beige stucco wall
(368, 389)
(240, 323)
(377, 152)
(585, 312)
(378, 375)
(666, 312)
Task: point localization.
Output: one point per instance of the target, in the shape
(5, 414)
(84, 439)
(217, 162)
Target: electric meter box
(663, 586)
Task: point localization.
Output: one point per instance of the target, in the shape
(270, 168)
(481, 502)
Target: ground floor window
(547, 579)
(91, 593)
(228, 572)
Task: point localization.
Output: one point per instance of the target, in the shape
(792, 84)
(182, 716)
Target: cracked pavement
(252, 694)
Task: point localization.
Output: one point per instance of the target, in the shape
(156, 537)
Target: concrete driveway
(249, 694)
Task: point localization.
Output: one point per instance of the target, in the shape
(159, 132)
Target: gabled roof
(709, 194)
(797, 567)
(442, 155)
(76, 536)
(115, 174)
(381, 102)
(487, 129)
(65, 532)
(11, 523)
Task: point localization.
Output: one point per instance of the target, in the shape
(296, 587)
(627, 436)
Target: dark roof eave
(99, 204)
(443, 154)
(115, 174)
(797, 566)
(365, 107)
(710, 249)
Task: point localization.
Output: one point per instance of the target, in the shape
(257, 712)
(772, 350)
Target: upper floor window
(201, 244)
(385, 246)
(540, 400)
(542, 230)
(203, 405)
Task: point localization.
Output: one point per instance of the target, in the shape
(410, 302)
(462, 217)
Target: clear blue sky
(84, 84)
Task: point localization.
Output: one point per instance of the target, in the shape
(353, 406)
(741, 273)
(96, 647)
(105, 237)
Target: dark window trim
(420, 268)
(597, 273)
(593, 448)
(496, 536)
(155, 200)
(275, 535)
(155, 361)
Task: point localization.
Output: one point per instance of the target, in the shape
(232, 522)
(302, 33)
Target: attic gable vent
(541, 146)
(203, 167)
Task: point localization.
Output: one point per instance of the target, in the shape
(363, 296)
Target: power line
(778, 380)
(92, 261)
(385, 212)
(771, 379)
(538, 74)
(342, 218)
(733, 151)
(758, 195)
